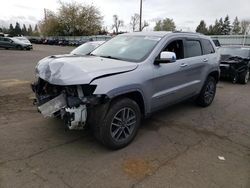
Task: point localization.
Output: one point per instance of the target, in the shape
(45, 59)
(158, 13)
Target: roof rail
(190, 32)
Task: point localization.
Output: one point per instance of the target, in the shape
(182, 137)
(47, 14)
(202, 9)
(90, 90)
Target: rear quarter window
(193, 48)
(207, 47)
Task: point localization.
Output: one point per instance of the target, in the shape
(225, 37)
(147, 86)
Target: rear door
(195, 64)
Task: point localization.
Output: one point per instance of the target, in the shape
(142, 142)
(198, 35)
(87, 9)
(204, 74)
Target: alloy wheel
(209, 92)
(123, 124)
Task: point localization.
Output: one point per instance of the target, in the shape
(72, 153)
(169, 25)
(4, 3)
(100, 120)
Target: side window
(193, 48)
(207, 47)
(176, 47)
(7, 40)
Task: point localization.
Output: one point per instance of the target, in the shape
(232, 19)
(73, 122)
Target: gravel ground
(177, 147)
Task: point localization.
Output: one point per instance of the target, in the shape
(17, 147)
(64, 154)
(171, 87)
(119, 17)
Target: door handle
(184, 65)
(205, 60)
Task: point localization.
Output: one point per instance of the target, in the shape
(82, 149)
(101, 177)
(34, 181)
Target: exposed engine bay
(233, 66)
(69, 103)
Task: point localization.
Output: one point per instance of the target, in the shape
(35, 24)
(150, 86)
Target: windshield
(127, 47)
(22, 39)
(85, 48)
(240, 52)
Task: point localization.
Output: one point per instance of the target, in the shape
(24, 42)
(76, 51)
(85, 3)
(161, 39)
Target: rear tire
(207, 93)
(120, 125)
(244, 77)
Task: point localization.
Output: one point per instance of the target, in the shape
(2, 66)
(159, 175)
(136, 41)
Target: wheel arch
(215, 75)
(135, 96)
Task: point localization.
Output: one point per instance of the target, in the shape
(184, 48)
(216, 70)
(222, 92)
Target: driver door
(171, 80)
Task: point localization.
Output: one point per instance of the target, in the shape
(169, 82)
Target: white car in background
(86, 48)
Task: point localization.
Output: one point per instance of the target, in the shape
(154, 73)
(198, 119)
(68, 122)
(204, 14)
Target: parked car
(235, 63)
(63, 42)
(127, 78)
(36, 40)
(86, 48)
(50, 41)
(15, 42)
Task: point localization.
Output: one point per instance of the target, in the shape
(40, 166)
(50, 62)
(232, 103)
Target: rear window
(193, 48)
(207, 47)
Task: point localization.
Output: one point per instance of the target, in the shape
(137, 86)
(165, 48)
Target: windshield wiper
(110, 57)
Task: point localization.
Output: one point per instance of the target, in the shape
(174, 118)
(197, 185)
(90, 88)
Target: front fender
(114, 87)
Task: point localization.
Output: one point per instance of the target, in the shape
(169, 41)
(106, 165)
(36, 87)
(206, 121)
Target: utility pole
(140, 15)
(245, 35)
(45, 14)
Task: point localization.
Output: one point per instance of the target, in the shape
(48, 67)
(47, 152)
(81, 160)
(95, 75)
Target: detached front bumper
(51, 107)
(69, 103)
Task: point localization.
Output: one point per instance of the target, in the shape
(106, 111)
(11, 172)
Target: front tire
(207, 93)
(120, 125)
(244, 77)
(234, 79)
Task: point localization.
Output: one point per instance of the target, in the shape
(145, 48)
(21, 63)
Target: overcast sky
(186, 14)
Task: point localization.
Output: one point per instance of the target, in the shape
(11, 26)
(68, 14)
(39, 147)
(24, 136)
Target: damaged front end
(70, 103)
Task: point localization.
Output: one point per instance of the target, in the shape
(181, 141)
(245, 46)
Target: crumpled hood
(231, 61)
(74, 70)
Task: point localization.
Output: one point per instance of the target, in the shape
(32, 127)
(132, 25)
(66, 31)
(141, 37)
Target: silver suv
(19, 43)
(127, 78)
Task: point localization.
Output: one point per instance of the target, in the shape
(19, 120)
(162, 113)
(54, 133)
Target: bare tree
(144, 24)
(245, 24)
(134, 23)
(117, 23)
(49, 26)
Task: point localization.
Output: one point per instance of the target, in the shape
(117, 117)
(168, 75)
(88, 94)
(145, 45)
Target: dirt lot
(177, 147)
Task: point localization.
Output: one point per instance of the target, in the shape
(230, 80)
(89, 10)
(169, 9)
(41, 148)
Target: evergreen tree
(5, 30)
(17, 29)
(24, 30)
(220, 26)
(11, 30)
(35, 32)
(202, 28)
(166, 24)
(210, 30)
(236, 26)
(216, 30)
(226, 27)
(30, 30)
(36, 28)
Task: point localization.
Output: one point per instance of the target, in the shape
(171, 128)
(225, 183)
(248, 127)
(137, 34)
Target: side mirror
(166, 57)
